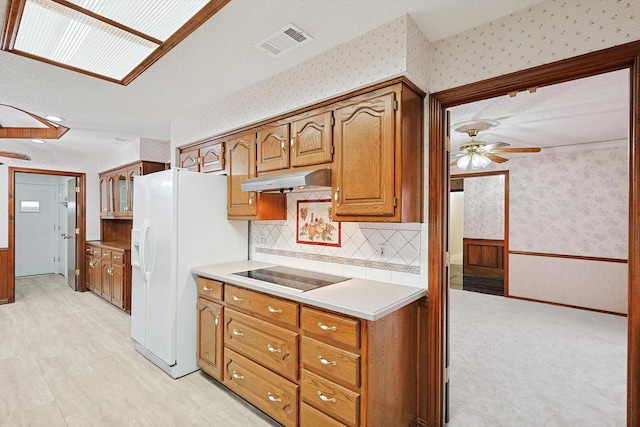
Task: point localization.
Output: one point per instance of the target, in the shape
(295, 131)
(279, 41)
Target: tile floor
(66, 359)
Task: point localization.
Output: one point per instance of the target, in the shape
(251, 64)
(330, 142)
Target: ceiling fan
(13, 155)
(479, 154)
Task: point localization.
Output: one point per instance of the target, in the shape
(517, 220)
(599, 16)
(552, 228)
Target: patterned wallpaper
(484, 207)
(153, 150)
(375, 56)
(570, 203)
(544, 33)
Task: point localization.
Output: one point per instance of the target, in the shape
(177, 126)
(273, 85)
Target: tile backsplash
(378, 251)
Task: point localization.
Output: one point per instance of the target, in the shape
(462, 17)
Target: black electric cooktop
(301, 280)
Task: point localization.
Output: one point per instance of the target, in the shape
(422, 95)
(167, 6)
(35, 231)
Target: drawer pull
(273, 398)
(327, 328)
(326, 362)
(325, 398)
(237, 376)
(207, 289)
(238, 333)
(272, 349)
(274, 310)
(237, 299)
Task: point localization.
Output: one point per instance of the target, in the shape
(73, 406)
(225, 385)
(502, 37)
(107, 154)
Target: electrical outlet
(262, 239)
(382, 251)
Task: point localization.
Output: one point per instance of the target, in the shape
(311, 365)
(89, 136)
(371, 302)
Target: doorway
(624, 56)
(58, 197)
(479, 232)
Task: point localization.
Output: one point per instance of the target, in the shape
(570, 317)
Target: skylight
(113, 40)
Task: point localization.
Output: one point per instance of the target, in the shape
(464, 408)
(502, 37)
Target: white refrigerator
(179, 222)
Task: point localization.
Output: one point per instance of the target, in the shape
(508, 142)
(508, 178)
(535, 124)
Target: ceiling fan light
(479, 162)
(463, 162)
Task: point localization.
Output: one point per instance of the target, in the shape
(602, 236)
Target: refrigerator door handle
(144, 240)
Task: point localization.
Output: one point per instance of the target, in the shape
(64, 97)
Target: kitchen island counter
(366, 299)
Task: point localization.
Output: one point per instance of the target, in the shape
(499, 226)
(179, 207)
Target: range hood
(294, 181)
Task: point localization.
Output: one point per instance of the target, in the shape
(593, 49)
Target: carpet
(518, 363)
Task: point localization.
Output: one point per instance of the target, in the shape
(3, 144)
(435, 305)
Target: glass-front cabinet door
(104, 197)
(123, 203)
(111, 190)
(132, 173)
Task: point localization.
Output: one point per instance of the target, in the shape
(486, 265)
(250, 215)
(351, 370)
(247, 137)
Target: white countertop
(367, 299)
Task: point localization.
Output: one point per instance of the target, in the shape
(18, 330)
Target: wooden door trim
(611, 59)
(80, 222)
(505, 278)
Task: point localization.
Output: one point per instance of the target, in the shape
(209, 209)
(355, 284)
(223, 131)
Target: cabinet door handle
(326, 362)
(274, 310)
(217, 320)
(238, 299)
(238, 333)
(272, 349)
(293, 143)
(325, 398)
(251, 199)
(336, 196)
(327, 328)
(283, 145)
(273, 398)
(237, 376)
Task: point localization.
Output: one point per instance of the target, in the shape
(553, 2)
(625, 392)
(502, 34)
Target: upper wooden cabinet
(242, 166)
(116, 188)
(377, 170)
(208, 156)
(272, 147)
(311, 139)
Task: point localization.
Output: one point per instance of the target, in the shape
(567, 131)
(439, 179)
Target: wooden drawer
(117, 257)
(271, 393)
(310, 416)
(328, 397)
(97, 251)
(105, 254)
(273, 347)
(329, 326)
(330, 362)
(208, 288)
(266, 306)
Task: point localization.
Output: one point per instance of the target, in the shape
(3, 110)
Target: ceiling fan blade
(494, 158)
(495, 145)
(14, 155)
(516, 150)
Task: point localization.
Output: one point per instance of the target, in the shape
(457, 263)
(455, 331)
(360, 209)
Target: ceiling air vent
(289, 37)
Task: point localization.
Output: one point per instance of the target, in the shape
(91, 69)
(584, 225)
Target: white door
(70, 233)
(36, 233)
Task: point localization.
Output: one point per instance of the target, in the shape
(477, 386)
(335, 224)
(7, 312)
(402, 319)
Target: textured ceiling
(219, 59)
(593, 110)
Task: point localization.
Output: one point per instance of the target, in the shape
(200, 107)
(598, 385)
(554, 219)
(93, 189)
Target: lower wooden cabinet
(109, 272)
(209, 351)
(306, 366)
